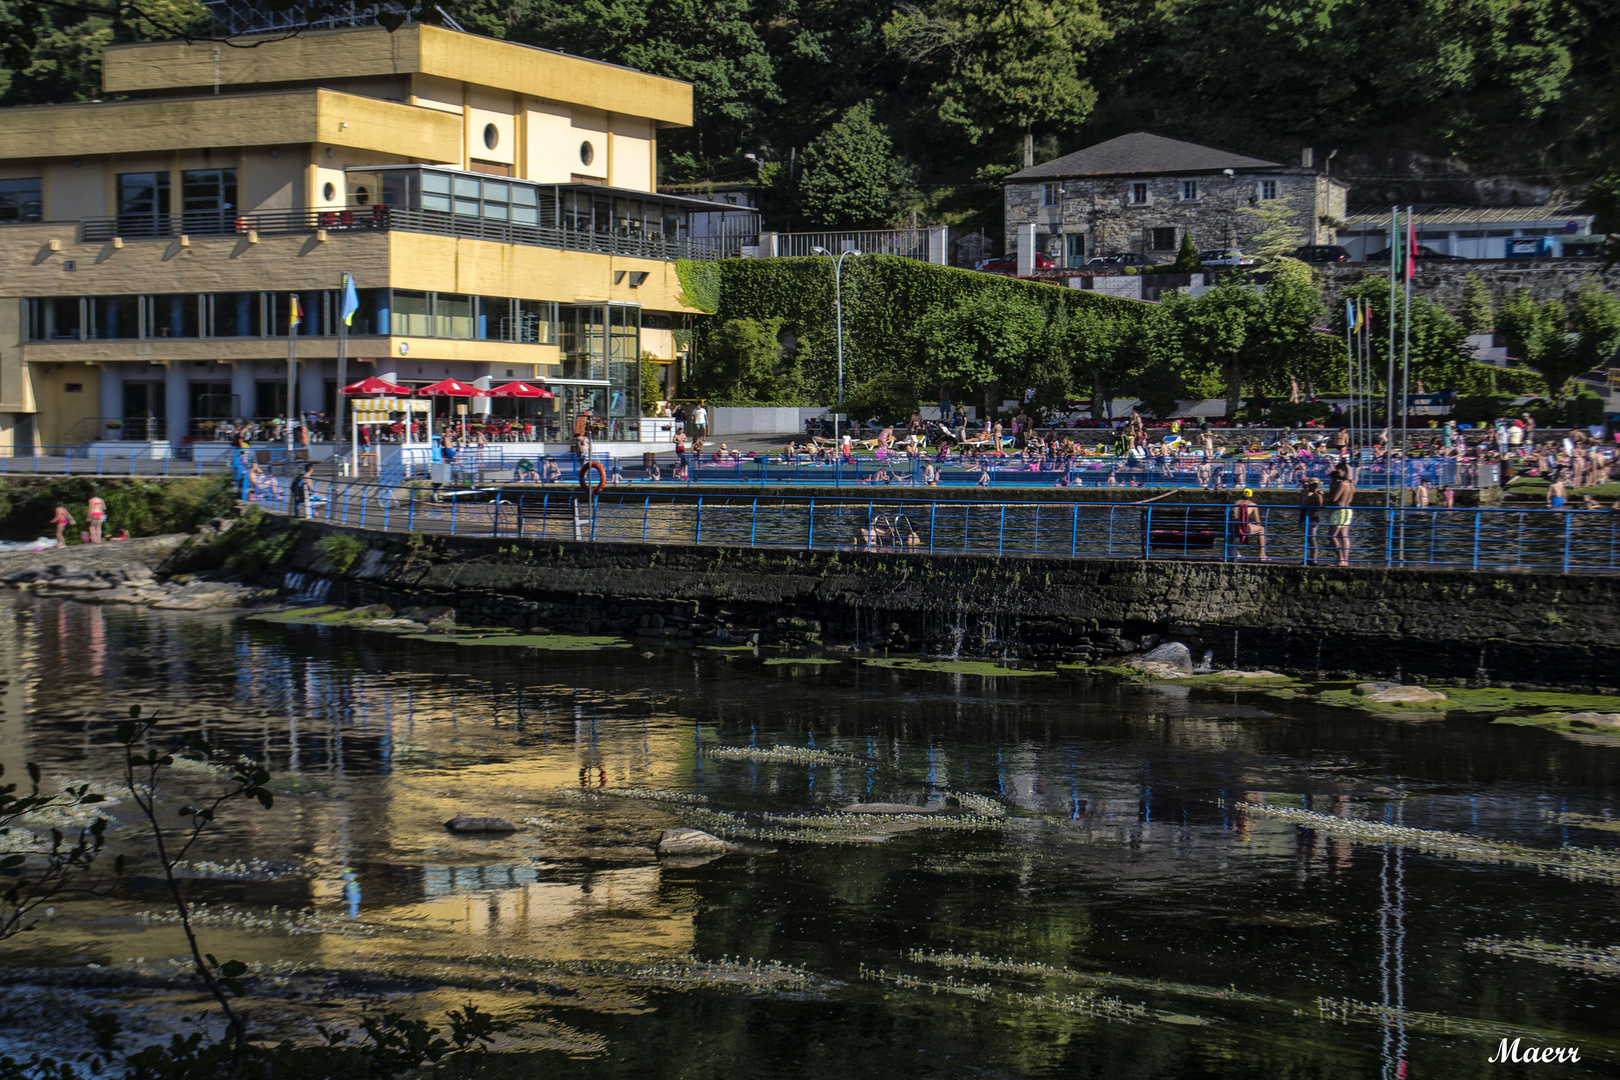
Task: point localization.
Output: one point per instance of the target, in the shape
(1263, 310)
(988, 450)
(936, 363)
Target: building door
(212, 404)
(146, 407)
(270, 399)
(1074, 250)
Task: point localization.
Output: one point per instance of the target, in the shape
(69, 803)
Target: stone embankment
(124, 572)
(1525, 628)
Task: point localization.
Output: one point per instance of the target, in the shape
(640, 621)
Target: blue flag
(351, 301)
(1350, 315)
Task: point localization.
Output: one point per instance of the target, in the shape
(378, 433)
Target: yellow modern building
(495, 204)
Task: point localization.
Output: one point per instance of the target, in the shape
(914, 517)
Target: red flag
(1411, 247)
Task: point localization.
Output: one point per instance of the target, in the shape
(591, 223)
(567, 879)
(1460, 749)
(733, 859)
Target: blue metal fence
(1558, 541)
(135, 460)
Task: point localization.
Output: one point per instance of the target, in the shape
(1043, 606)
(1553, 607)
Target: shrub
(341, 551)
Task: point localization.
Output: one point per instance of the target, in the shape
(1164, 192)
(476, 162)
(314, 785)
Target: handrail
(368, 218)
(1486, 540)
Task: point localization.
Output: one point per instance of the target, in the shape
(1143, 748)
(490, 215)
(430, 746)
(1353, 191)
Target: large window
(143, 203)
(22, 200)
(115, 317)
(537, 322)
(452, 316)
(238, 314)
(1139, 193)
(54, 318)
(1268, 189)
(174, 315)
(1164, 239)
(410, 314)
(207, 197)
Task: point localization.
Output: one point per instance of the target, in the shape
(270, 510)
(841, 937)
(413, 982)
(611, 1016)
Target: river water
(1101, 899)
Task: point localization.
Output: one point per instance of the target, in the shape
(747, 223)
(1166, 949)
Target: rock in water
(1374, 687)
(1593, 719)
(1406, 695)
(686, 842)
(480, 825)
(1171, 656)
(885, 808)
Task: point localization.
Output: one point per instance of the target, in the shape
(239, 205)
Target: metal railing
(906, 243)
(626, 242)
(1555, 541)
(136, 459)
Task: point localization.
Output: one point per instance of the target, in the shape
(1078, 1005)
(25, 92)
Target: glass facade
(22, 199)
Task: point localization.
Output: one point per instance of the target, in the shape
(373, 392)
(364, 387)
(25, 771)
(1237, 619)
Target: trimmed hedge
(884, 297)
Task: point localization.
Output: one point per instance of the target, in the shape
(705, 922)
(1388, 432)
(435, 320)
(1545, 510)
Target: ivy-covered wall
(884, 296)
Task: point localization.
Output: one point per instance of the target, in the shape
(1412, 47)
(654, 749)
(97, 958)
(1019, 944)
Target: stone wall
(1562, 630)
(1547, 279)
(1101, 210)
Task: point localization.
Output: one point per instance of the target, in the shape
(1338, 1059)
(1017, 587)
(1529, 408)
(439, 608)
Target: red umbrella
(375, 387)
(520, 390)
(450, 388)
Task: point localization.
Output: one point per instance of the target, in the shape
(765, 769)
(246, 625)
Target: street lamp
(838, 322)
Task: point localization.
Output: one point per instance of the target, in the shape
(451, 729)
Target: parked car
(1321, 253)
(1124, 258)
(1008, 263)
(1425, 254)
(1531, 247)
(1224, 257)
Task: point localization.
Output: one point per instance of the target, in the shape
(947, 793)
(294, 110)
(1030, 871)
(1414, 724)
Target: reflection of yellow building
(496, 205)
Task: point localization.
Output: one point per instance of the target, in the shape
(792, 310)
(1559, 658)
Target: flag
(351, 301)
(295, 314)
(1411, 246)
(1366, 315)
(1350, 316)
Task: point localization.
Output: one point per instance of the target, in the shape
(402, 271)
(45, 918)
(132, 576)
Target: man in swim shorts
(1341, 493)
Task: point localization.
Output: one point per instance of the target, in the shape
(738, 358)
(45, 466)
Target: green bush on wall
(884, 298)
(144, 507)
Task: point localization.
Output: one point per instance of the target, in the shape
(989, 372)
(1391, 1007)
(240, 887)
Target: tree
(1103, 352)
(1187, 261)
(1439, 353)
(1279, 233)
(1478, 315)
(747, 365)
(1561, 344)
(850, 174)
(986, 342)
(1003, 65)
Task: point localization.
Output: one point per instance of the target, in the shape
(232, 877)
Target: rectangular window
(1139, 193)
(208, 200)
(525, 205)
(452, 316)
(172, 315)
(145, 406)
(115, 317)
(1164, 239)
(466, 192)
(371, 317)
(536, 322)
(495, 320)
(22, 200)
(270, 399)
(143, 204)
(1049, 194)
(54, 318)
(236, 314)
(436, 191)
(1268, 189)
(409, 314)
(1189, 190)
(211, 401)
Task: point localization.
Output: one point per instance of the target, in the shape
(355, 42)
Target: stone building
(1142, 192)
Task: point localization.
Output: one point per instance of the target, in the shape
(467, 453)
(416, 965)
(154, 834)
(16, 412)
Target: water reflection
(1128, 860)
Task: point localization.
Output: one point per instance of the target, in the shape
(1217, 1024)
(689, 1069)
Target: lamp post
(838, 323)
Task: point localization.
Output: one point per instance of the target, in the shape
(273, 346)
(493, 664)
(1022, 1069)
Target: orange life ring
(601, 474)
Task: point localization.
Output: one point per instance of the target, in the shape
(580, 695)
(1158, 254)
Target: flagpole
(292, 369)
(1409, 268)
(1364, 368)
(1389, 378)
(338, 430)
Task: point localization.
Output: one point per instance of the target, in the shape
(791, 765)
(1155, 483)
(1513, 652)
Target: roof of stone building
(1142, 153)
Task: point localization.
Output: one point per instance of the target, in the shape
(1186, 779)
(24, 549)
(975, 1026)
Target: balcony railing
(632, 243)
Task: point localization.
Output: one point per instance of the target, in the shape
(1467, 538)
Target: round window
(492, 136)
(587, 153)
(330, 191)
(362, 196)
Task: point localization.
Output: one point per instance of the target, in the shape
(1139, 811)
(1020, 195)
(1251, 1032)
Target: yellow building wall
(589, 125)
(62, 415)
(14, 391)
(271, 183)
(630, 153)
(432, 92)
(76, 188)
(485, 108)
(549, 141)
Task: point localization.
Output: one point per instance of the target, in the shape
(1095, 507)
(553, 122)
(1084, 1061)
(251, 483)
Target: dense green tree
(1104, 354)
(989, 344)
(746, 364)
(1478, 314)
(1561, 344)
(1187, 261)
(851, 177)
(1439, 354)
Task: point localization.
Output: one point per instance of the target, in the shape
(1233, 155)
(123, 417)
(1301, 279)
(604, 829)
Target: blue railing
(1559, 541)
(136, 459)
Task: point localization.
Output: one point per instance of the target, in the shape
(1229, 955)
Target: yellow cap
(1248, 493)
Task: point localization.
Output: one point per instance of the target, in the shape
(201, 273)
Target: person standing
(98, 517)
(1310, 506)
(700, 421)
(1247, 514)
(303, 493)
(62, 519)
(1557, 491)
(1341, 493)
